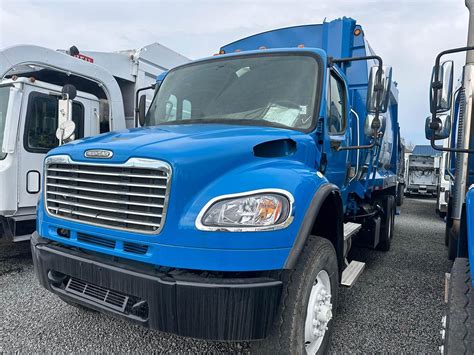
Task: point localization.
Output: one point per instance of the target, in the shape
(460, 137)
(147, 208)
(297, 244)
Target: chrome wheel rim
(318, 313)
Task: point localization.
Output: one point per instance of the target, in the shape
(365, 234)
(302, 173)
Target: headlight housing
(250, 211)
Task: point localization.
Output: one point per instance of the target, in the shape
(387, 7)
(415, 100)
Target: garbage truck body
(238, 200)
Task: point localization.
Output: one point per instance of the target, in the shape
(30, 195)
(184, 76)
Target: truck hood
(190, 144)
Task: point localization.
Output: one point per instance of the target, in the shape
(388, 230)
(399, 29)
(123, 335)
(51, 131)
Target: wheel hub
(319, 312)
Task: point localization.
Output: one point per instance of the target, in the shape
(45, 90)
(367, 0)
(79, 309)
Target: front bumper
(177, 302)
(422, 189)
(16, 229)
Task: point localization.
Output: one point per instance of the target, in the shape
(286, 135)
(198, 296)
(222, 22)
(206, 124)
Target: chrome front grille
(131, 196)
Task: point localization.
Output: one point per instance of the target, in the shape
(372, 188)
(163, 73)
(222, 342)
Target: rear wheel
(388, 222)
(309, 297)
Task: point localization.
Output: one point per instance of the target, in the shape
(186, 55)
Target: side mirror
(65, 132)
(65, 123)
(378, 92)
(141, 110)
(369, 128)
(440, 126)
(441, 92)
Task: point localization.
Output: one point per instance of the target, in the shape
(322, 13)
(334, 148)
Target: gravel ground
(395, 306)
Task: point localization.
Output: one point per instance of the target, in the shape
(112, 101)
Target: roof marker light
(262, 47)
(300, 45)
(237, 50)
(222, 51)
(357, 31)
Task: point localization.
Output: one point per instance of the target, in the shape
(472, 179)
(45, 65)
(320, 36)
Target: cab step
(351, 273)
(350, 229)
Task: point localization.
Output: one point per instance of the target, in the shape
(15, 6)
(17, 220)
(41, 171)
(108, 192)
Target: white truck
(423, 171)
(31, 83)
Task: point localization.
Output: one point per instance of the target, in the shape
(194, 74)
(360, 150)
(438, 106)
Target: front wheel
(309, 299)
(388, 223)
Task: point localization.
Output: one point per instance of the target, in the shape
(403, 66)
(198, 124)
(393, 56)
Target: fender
(310, 217)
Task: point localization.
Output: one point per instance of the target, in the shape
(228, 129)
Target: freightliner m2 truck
(230, 214)
(458, 334)
(31, 83)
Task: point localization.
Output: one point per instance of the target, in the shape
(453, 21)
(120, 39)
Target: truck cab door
(38, 135)
(337, 130)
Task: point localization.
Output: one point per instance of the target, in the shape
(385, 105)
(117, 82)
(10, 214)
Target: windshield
(4, 95)
(271, 90)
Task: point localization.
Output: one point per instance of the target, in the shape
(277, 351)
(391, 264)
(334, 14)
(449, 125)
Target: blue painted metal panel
(470, 227)
(207, 161)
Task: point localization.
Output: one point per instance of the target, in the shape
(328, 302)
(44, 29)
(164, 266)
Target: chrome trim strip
(113, 183)
(90, 198)
(200, 226)
(105, 218)
(103, 208)
(104, 191)
(108, 174)
(141, 163)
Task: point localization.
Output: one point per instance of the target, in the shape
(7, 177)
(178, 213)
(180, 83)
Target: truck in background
(423, 171)
(458, 324)
(444, 183)
(31, 82)
(230, 214)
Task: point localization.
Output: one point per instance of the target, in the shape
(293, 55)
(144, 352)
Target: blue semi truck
(230, 213)
(452, 117)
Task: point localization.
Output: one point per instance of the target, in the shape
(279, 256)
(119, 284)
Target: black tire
(387, 224)
(460, 313)
(449, 224)
(400, 195)
(287, 335)
(452, 244)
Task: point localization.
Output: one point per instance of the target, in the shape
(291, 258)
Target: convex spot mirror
(441, 92)
(66, 127)
(65, 132)
(441, 127)
(378, 91)
(369, 129)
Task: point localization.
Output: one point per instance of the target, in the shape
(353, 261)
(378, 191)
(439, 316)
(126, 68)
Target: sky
(406, 33)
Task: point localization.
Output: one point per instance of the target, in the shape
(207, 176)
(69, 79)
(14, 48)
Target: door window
(336, 106)
(4, 96)
(42, 122)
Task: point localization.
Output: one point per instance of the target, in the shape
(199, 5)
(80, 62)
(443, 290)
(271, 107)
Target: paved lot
(396, 306)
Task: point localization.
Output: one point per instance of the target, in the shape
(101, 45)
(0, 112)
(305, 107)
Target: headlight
(251, 211)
